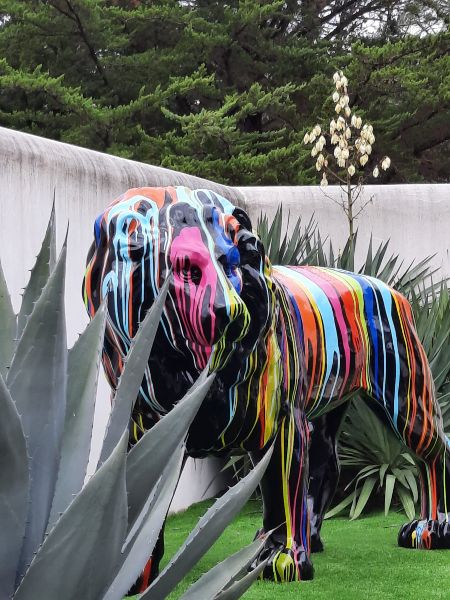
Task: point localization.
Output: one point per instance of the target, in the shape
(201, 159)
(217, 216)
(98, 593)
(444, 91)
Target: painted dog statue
(288, 344)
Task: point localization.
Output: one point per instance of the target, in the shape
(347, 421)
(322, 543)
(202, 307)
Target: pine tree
(225, 89)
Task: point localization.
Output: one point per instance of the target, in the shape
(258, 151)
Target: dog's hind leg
(427, 441)
(324, 469)
(406, 390)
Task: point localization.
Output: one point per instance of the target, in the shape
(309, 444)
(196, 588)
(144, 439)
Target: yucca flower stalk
(343, 151)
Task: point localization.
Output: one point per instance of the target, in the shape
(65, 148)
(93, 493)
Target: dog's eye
(192, 273)
(196, 275)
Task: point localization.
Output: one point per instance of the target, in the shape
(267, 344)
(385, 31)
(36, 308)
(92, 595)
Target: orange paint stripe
(310, 330)
(146, 576)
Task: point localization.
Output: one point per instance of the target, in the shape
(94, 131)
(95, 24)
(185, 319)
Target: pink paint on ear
(195, 300)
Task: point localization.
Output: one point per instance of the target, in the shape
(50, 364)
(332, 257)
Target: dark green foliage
(433, 326)
(298, 248)
(377, 461)
(226, 89)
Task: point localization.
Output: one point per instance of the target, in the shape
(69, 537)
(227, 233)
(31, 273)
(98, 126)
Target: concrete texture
(415, 218)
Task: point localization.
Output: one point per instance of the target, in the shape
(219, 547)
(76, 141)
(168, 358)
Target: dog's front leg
(284, 491)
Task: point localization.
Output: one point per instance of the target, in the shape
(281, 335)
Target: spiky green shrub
(369, 451)
(62, 538)
(298, 248)
(378, 461)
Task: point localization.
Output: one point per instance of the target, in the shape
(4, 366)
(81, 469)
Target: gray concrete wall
(415, 218)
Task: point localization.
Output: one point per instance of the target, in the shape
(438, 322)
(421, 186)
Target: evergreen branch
(73, 16)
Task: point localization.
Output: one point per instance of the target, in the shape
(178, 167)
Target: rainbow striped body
(343, 332)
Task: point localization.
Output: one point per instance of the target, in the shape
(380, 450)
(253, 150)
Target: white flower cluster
(346, 127)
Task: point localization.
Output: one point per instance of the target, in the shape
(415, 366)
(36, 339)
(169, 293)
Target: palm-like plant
(380, 460)
(62, 538)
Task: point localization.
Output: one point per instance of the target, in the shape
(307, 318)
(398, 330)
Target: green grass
(361, 560)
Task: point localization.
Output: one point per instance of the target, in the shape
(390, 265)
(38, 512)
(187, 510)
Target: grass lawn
(361, 560)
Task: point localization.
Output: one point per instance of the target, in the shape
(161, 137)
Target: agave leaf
(409, 476)
(368, 270)
(384, 467)
(378, 258)
(340, 507)
(78, 557)
(347, 259)
(148, 458)
(240, 587)
(299, 248)
(83, 365)
(275, 231)
(131, 379)
(231, 462)
(8, 326)
(208, 529)
(389, 490)
(407, 502)
(45, 262)
(364, 496)
(389, 273)
(414, 273)
(407, 456)
(141, 546)
(37, 383)
(400, 476)
(362, 474)
(225, 573)
(14, 491)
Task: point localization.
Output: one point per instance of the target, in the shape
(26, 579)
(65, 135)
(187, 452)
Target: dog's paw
(316, 543)
(425, 535)
(284, 564)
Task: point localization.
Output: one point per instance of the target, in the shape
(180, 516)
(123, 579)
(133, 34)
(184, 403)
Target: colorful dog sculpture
(288, 344)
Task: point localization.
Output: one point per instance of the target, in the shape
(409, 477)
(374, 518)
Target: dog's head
(219, 294)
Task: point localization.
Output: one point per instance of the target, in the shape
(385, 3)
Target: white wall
(416, 218)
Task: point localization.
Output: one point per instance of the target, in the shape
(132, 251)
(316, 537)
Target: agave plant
(432, 317)
(381, 462)
(299, 248)
(305, 246)
(368, 448)
(62, 537)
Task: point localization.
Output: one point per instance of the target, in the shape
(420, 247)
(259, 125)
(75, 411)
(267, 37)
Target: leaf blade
(225, 573)
(206, 532)
(37, 383)
(92, 529)
(147, 458)
(14, 490)
(130, 381)
(8, 326)
(39, 274)
(82, 375)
